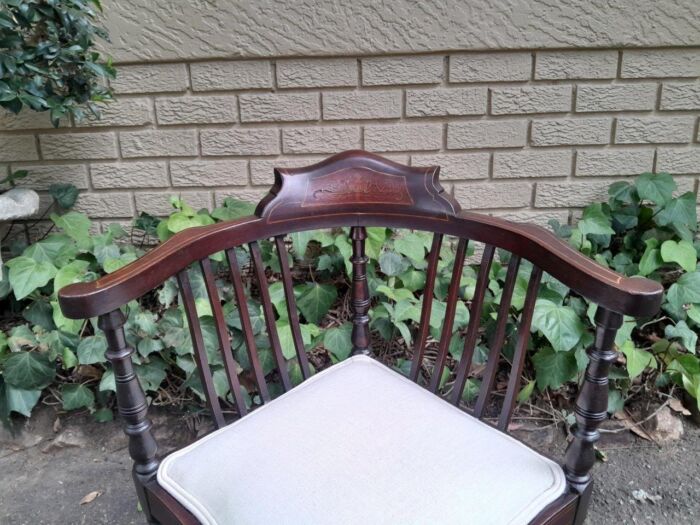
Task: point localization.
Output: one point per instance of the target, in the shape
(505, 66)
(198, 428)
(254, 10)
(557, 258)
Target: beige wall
(520, 130)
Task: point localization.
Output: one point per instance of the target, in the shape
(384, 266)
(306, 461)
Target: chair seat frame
(357, 189)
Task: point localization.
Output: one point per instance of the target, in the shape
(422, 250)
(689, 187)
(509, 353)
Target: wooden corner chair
(359, 442)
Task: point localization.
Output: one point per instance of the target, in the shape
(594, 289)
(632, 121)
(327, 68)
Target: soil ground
(45, 471)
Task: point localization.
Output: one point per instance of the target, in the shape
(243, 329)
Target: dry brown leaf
(90, 497)
(677, 406)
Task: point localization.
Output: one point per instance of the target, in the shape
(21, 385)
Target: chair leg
(132, 406)
(591, 408)
(583, 502)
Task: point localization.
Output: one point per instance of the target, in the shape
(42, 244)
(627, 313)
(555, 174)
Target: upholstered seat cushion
(360, 444)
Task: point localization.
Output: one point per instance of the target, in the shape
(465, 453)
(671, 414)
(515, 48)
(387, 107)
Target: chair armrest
(634, 296)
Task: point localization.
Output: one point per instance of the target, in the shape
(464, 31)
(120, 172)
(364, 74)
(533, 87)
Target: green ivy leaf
(681, 215)
(552, 368)
(20, 400)
(413, 280)
(151, 375)
(683, 332)
(560, 324)
(337, 341)
(77, 396)
(595, 221)
(651, 258)
(111, 265)
(410, 245)
(300, 241)
(64, 194)
(376, 236)
(657, 188)
(526, 392)
(682, 252)
(57, 249)
(391, 264)
(26, 275)
(28, 370)
(92, 350)
(637, 360)
(69, 274)
(76, 226)
(315, 300)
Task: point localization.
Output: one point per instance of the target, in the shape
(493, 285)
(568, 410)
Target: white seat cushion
(360, 444)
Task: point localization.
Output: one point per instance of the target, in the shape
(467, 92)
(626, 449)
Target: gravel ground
(45, 474)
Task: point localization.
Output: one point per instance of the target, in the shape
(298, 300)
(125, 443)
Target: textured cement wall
(531, 108)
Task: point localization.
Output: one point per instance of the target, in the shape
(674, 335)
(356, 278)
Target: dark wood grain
(498, 338)
(482, 282)
(247, 328)
(292, 307)
(356, 189)
(132, 406)
(360, 293)
(269, 314)
(448, 321)
(426, 308)
(520, 349)
(222, 334)
(200, 351)
(591, 406)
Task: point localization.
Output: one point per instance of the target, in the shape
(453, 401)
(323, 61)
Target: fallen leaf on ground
(90, 497)
(677, 406)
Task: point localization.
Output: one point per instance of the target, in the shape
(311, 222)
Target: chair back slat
(269, 315)
(482, 282)
(450, 309)
(520, 348)
(360, 299)
(292, 307)
(246, 325)
(426, 308)
(200, 352)
(498, 337)
(223, 336)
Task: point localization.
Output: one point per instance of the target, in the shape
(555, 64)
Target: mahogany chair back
(356, 189)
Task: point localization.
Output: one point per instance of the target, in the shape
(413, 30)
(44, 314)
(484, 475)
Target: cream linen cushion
(360, 444)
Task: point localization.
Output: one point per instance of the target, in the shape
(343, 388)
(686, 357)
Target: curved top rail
(282, 211)
(356, 182)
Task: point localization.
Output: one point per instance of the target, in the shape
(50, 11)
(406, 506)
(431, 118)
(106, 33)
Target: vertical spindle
(360, 293)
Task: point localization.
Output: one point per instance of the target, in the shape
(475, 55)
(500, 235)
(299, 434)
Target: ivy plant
(642, 230)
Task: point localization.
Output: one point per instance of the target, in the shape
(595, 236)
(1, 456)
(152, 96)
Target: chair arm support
(132, 404)
(592, 401)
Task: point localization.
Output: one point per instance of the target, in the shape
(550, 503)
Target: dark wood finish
(520, 349)
(132, 405)
(448, 322)
(292, 307)
(200, 351)
(356, 182)
(426, 308)
(358, 190)
(269, 314)
(591, 405)
(244, 315)
(498, 337)
(482, 282)
(360, 293)
(224, 341)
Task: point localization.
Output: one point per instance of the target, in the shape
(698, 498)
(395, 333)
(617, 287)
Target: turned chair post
(360, 293)
(132, 404)
(591, 407)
